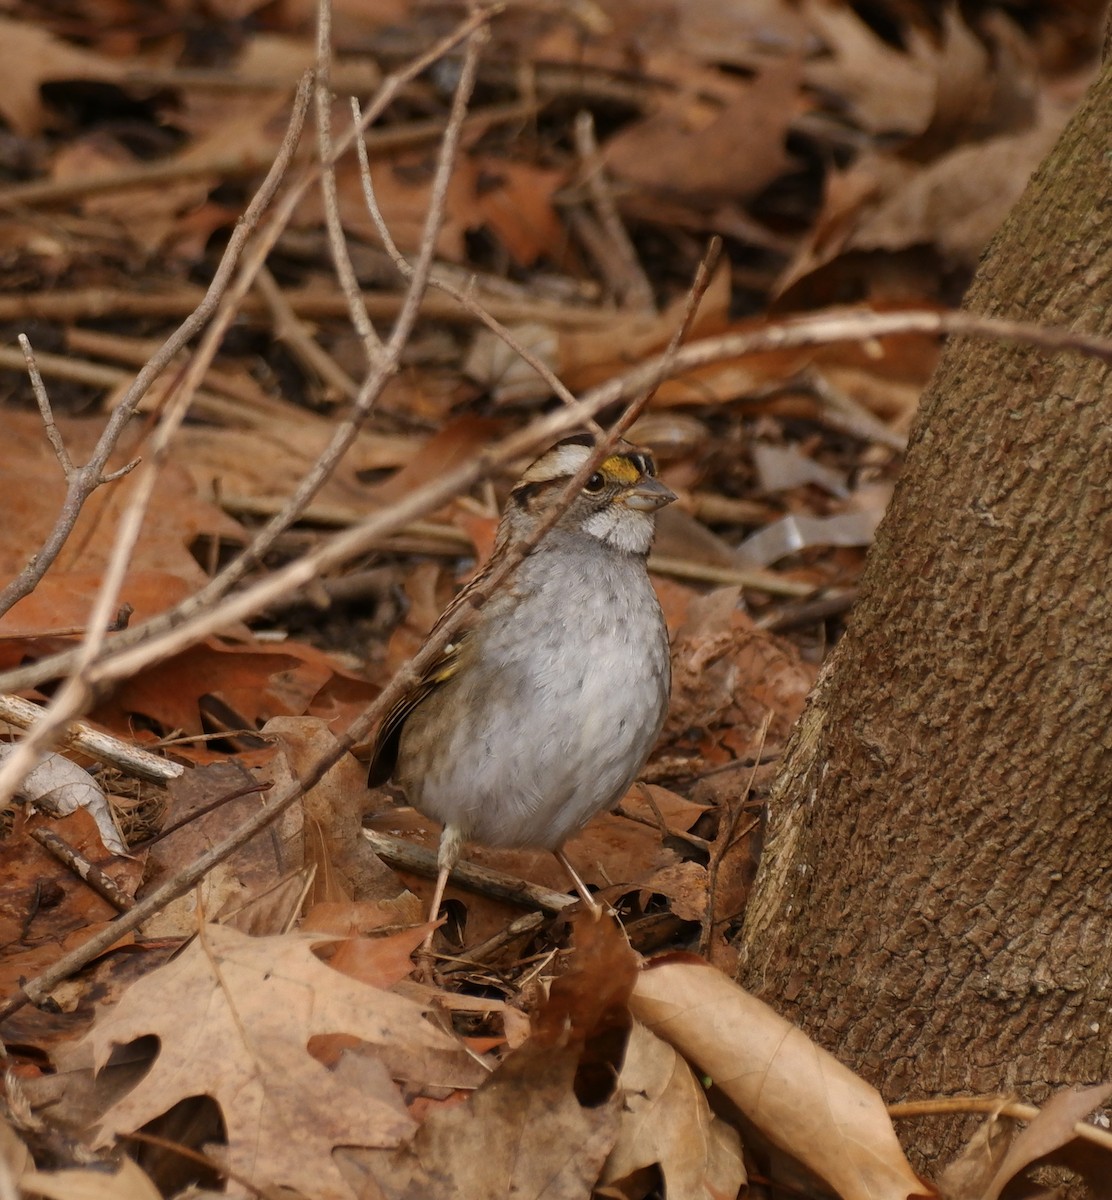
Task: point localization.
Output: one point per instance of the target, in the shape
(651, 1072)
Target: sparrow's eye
(595, 484)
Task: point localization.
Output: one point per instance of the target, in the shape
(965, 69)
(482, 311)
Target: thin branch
(812, 331)
(93, 742)
(475, 878)
(442, 177)
(84, 480)
(43, 401)
(1002, 1105)
(341, 257)
(311, 303)
(88, 872)
(464, 296)
(290, 330)
(633, 287)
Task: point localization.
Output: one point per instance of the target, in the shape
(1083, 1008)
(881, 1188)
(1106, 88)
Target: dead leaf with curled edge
(996, 1156)
(543, 1123)
(668, 1121)
(234, 1016)
(60, 787)
(799, 1096)
(127, 1182)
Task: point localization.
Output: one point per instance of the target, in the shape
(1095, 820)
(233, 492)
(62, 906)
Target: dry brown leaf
(34, 489)
(31, 56)
(884, 204)
(667, 1120)
(515, 200)
(332, 812)
(128, 1182)
(959, 201)
(455, 443)
(62, 601)
(544, 1122)
(799, 1096)
(148, 216)
(355, 918)
(234, 1016)
(58, 786)
(1049, 1131)
(887, 90)
(727, 675)
(251, 683)
(229, 792)
(522, 1134)
(730, 152)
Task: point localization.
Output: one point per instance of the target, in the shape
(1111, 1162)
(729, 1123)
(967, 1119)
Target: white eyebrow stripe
(559, 461)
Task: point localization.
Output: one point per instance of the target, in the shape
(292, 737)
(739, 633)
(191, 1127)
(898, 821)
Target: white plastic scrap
(781, 468)
(793, 533)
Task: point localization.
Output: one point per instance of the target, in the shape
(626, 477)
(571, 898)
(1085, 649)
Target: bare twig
(465, 298)
(94, 374)
(311, 303)
(88, 872)
(751, 578)
(84, 480)
(290, 330)
(101, 746)
(43, 401)
(487, 882)
(1003, 1105)
(341, 258)
(632, 285)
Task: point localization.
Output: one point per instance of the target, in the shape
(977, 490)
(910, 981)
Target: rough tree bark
(935, 896)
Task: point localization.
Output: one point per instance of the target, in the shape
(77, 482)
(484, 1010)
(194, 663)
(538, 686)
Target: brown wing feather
(384, 758)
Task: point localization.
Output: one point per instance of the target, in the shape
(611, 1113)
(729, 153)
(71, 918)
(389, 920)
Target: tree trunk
(934, 900)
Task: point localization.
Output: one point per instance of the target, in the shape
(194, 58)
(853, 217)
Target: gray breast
(560, 704)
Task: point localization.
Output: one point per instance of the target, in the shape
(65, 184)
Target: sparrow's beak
(648, 496)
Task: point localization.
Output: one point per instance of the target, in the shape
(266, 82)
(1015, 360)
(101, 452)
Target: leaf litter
(831, 147)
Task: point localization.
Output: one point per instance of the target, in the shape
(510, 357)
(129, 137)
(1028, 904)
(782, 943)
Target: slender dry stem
(83, 481)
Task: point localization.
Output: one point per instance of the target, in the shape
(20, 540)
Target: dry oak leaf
(799, 1096)
(127, 1182)
(234, 1016)
(541, 1126)
(996, 1156)
(667, 1120)
(522, 1134)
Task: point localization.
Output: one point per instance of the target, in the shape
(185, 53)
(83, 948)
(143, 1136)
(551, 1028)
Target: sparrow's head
(616, 504)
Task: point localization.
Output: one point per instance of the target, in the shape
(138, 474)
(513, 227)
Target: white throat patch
(622, 528)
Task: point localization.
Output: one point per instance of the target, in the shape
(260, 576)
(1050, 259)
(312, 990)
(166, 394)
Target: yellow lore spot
(618, 469)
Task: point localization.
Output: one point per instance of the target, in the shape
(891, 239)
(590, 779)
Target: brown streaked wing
(384, 759)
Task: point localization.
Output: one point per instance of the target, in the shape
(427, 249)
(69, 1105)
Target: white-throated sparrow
(542, 709)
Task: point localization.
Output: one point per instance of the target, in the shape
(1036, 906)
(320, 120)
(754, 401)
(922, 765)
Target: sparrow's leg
(451, 843)
(580, 886)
